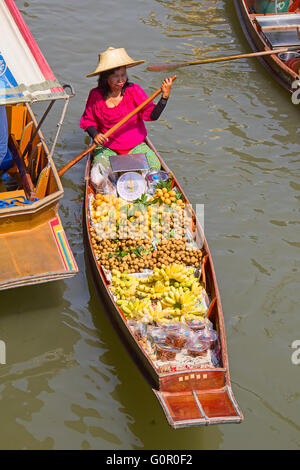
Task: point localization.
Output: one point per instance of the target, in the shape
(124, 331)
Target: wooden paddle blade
(162, 67)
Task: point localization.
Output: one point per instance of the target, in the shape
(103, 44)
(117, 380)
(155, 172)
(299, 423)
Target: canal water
(231, 135)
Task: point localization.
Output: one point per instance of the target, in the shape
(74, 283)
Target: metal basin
(284, 56)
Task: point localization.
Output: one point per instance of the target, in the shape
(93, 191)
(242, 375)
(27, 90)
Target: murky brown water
(231, 135)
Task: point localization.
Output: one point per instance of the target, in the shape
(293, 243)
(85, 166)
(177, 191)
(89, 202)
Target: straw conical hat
(113, 58)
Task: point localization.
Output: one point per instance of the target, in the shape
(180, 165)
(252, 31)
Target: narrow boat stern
(199, 397)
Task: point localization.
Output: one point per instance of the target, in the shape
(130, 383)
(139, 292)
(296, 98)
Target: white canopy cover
(25, 75)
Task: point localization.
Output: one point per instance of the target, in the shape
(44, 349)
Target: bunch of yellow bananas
(123, 285)
(143, 310)
(174, 290)
(144, 290)
(173, 272)
(192, 286)
(197, 314)
(156, 312)
(150, 290)
(178, 296)
(179, 300)
(134, 308)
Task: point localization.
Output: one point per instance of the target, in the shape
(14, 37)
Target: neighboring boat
(33, 244)
(188, 396)
(274, 31)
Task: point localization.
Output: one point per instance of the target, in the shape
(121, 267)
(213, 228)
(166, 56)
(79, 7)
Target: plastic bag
(103, 165)
(101, 183)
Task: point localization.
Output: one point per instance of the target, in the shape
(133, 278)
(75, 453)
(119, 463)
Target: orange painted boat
(33, 244)
(273, 31)
(188, 396)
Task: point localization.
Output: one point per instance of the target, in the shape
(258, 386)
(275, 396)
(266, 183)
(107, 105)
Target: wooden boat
(269, 31)
(33, 244)
(192, 397)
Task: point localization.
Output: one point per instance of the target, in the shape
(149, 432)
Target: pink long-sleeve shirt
(103, 118)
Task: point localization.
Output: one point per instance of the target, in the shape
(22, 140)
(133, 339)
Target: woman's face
(117, 79)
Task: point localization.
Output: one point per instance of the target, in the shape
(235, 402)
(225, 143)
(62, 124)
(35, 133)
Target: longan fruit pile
(111, 254)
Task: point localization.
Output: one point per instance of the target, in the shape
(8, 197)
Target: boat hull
(33, 245)
(188, 397)
(276, 67)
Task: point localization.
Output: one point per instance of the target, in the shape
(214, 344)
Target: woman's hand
(100, 139)
(166, 87)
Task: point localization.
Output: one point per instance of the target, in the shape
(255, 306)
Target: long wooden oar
(113, 129)
(171, 66)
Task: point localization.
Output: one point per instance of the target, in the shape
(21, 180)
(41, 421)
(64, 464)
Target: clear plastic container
(140, 331)
(196, 348)
(195, 324)
(165, 352)
(171, 326)
(157, 335)
(132, 324)
(155, 176)
(177, 337)
(211, 336)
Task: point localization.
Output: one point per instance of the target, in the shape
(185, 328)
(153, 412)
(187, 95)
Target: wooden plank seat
(25, 177)
(278, 20)
(282, 38)
(279, 30)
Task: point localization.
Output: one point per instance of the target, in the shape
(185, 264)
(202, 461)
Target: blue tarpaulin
(5, 157)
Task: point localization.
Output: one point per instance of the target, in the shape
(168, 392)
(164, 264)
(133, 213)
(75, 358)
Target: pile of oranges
(168, 197)
(104, 206)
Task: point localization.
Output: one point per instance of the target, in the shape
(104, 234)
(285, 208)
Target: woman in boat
(112, 100)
